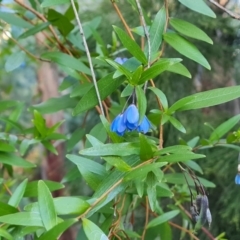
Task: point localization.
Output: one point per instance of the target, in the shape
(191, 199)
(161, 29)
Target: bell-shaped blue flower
(144, 126)
(237, 179)
(131, 117)
(120, 60)
(118, 125)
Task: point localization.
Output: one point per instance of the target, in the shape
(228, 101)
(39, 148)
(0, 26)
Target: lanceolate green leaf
(186, 48)
(92, 231)
(180, 157)
(66, 60)
(18, 194)
(142, 102)
(199, 6)
(161, 96)
(14, 61)
(58, 230)
(46, 206)
(163, 218)
(177, 124)
(179, 68)
(6, 209)
(206, 99)
(118, 149)
(50, 3)
(106, 86)
(157, 29)
(13, 19)
(5, 234)
(131, 45)
(224, 128)
(189, 30)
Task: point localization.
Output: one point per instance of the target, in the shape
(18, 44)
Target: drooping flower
(120, 60)
(237, 179)
(129, 121)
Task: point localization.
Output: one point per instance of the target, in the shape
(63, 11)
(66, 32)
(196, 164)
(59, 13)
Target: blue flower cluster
(129, 121)
(120, 60)
(237, 179)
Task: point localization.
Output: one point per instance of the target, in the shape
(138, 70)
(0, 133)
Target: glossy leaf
(13, 19)
(180, 157)
(106, 86)
(58, 230)
(18, 194)
(118, 149)
(146, 151)
(173, 149)
(131, 45)
(32, 31)
(119, 67)
(81, 90)
(14, 61)
(157, 68)
(92, 231)
(6, 209)
(177, 124)
(142, 102)
(13, 160)
(46, 206)
(157, 29)
(32, 187)
(206, 99)
(189, 30)
(224, 128)
(151, 190)
(199, 6)
(186, 48)
(161, 96)
(118, 163)
(179, 68)
(193, 165)
(23, 219)
(163, 218)
(66, 60)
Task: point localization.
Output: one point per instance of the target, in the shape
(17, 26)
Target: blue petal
(131, 115)
(237, 179)
(131, 126)
(144, 126)
(120, 60)
(121, 127)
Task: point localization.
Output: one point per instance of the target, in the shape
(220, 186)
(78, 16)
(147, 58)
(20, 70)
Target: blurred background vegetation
(26, 84)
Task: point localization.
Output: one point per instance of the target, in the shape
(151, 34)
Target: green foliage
(119, 167)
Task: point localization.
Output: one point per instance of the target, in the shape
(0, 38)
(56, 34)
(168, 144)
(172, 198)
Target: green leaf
(81, 90)
(156, 30)
(49, 146)
(193, 165)
(46, 206)
(135, 76)
(180, 157)
(146, 151)
(32, 187)
(142, 102)
(189, 30)
(177, 124)
(151, 190)
(163, 218)
(6, 209)
(25, 145)
(32, 31)
(179, 68)
(5, 234)
(118, 163)
(5, 147)
(130, 45)
(119, 67)
(23, 219)
(14, 60)
(92, 231)
(127, 91)
(160, 66)
(50, 3)
(56, 104)
(106, 86)
(13, 19)
(141, 172)
(199, 6)
(66, 60)
(57, 230)
(206, 99)
(186, 48)
(224, 128)
(173, 149)
(13, 160)
(75, 138)
(5, 104)
(118, 149)
(18, 194)
(161, 96)
(178, 178)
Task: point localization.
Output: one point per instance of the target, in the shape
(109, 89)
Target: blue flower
(144, 126)
(129, 120)
(237, 179)
(120, 60)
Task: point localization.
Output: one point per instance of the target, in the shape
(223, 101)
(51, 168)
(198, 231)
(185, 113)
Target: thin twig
(122, 19)
(146, 219)
(24, 49)
(230, 13)
(88, 56)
